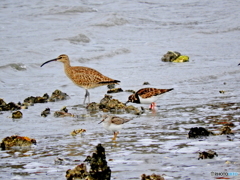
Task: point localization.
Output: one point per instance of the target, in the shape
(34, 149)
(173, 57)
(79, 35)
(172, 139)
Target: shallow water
(125, 41)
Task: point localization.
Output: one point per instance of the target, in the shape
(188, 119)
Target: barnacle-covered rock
(146, 83)
(37, 99)
(115, 104)
(174, 56)
(130, 90)
(207, 155)
(134, 110)
(170, 56)
(151, 177)
(45, 112)
(99, 170)
(108, 104)
(104, 101)
(63, 113)
(2, 102)
(58, 95)
(8, 106)
(198, 132)
(115, 90)
(111, 86)
(17, 115)
(20, 141)
(78, 131)
(226, 130)
(93, 106)
(79, 172)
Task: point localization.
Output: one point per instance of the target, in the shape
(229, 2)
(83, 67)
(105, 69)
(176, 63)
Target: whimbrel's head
(62, 58)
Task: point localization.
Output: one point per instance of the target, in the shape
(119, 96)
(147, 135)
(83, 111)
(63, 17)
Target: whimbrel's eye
(60, 57)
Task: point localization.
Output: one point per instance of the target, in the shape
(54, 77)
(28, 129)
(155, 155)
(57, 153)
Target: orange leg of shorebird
(115, 136)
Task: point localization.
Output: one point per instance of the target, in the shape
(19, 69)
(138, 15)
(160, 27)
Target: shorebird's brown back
(148, 92)
(87, 77)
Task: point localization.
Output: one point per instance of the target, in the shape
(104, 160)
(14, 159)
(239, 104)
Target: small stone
(17, 115)
(116, 90)
(207, 155)
(146, 83)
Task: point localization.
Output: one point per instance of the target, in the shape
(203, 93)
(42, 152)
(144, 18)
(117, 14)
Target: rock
(131, 91)
(111, 86)
(79, 172)
(33, 100)
(198, 132)
(170, 56)
(107, 104)
(58, 95)
(226, 130)
(45, 112)
(99, 170)
(17, 115)
(93, 106)
(63, 113)
(151, 177)
(207, 155)
(78, 131)
(8, 106)
(174, 56)
(21, 141)
(116, 90)
(146, 83)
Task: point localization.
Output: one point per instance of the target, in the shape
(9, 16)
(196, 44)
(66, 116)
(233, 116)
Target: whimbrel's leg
(85, 97)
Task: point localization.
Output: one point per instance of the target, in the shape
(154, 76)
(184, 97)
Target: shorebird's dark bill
(101, 121)
(48, 61)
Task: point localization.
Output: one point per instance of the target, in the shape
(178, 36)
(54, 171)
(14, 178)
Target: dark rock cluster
(198, 132)
(108, 104)
(11, 106)
(99, 170)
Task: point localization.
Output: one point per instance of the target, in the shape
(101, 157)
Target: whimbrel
(84, 77)
(147, 95)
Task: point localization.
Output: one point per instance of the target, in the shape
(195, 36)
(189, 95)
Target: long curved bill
(49, 62)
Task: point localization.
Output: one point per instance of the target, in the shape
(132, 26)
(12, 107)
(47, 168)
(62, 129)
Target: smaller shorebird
(147, 95)
(84, 77)
(113, 124)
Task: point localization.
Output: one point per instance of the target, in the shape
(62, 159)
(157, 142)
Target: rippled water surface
(124, 40)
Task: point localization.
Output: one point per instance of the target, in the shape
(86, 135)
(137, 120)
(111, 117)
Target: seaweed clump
(99, 170)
